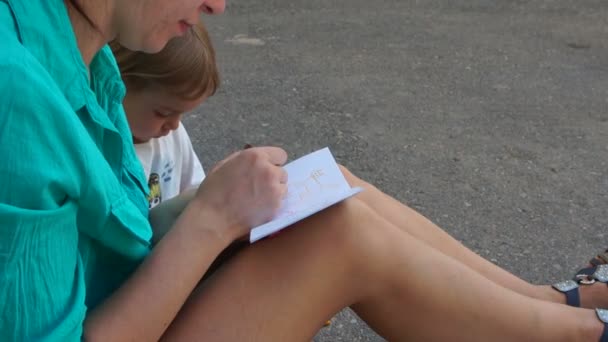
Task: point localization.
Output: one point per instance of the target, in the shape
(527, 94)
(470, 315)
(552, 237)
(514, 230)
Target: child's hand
(245, 189)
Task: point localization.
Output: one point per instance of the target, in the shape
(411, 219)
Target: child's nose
(172, 123)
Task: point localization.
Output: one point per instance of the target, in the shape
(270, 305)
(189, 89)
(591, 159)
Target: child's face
(154, 113)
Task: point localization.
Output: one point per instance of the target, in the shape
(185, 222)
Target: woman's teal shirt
(73, 213)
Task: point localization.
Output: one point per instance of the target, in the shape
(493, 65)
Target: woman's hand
(244, 190)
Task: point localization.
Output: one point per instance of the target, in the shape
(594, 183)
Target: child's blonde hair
(185, 67)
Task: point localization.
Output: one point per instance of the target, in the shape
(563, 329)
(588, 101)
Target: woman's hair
(185, 67)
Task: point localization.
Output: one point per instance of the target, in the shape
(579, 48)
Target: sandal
(586, 276)
(602, 315)
(600, 259)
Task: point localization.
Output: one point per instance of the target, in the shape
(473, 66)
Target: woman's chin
(154, 45)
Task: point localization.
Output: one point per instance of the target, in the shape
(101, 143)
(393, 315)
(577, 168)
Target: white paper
(314, 183)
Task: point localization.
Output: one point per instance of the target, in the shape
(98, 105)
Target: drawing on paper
(301, 192)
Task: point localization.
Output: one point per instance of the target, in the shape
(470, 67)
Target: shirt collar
(46, 31)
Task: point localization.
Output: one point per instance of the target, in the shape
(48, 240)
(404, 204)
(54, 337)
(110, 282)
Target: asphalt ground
(489, 117)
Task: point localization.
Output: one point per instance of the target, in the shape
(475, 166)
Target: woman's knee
(353, 180)
(354, 230)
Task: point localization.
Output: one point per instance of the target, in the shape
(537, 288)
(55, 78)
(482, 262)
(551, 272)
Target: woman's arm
(243, 192)
(146, 304)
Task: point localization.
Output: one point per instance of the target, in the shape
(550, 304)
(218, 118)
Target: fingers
(222, 162)
(269, 158)
(276, 155)
(283, 176)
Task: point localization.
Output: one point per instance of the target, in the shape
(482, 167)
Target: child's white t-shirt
(170, 164)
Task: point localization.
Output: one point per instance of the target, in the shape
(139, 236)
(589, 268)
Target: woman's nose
(214, 6)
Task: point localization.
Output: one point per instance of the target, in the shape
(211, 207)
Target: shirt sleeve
(192, 169)
(41, 275)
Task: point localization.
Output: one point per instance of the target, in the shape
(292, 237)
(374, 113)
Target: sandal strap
(570, 289)
(601, 258)
(602, 314)
(585, 276)
(590, 275)
(601, 273)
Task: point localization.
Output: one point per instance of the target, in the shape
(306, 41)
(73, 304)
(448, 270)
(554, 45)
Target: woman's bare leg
(409, 220)
(284, 288)
(420, 227)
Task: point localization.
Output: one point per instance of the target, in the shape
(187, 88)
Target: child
(160, 88)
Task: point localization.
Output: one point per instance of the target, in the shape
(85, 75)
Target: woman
(75, 259)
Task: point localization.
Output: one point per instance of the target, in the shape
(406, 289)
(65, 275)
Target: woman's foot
(591, 296)
(588, 289)
(594, 295)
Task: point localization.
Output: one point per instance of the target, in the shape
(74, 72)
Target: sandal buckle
(585, 279)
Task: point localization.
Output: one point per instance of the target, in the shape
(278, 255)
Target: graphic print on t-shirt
(156, 183)
(167, 170)
(155, 196)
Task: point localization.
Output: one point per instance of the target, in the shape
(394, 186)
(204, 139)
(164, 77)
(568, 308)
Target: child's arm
(164, 215)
